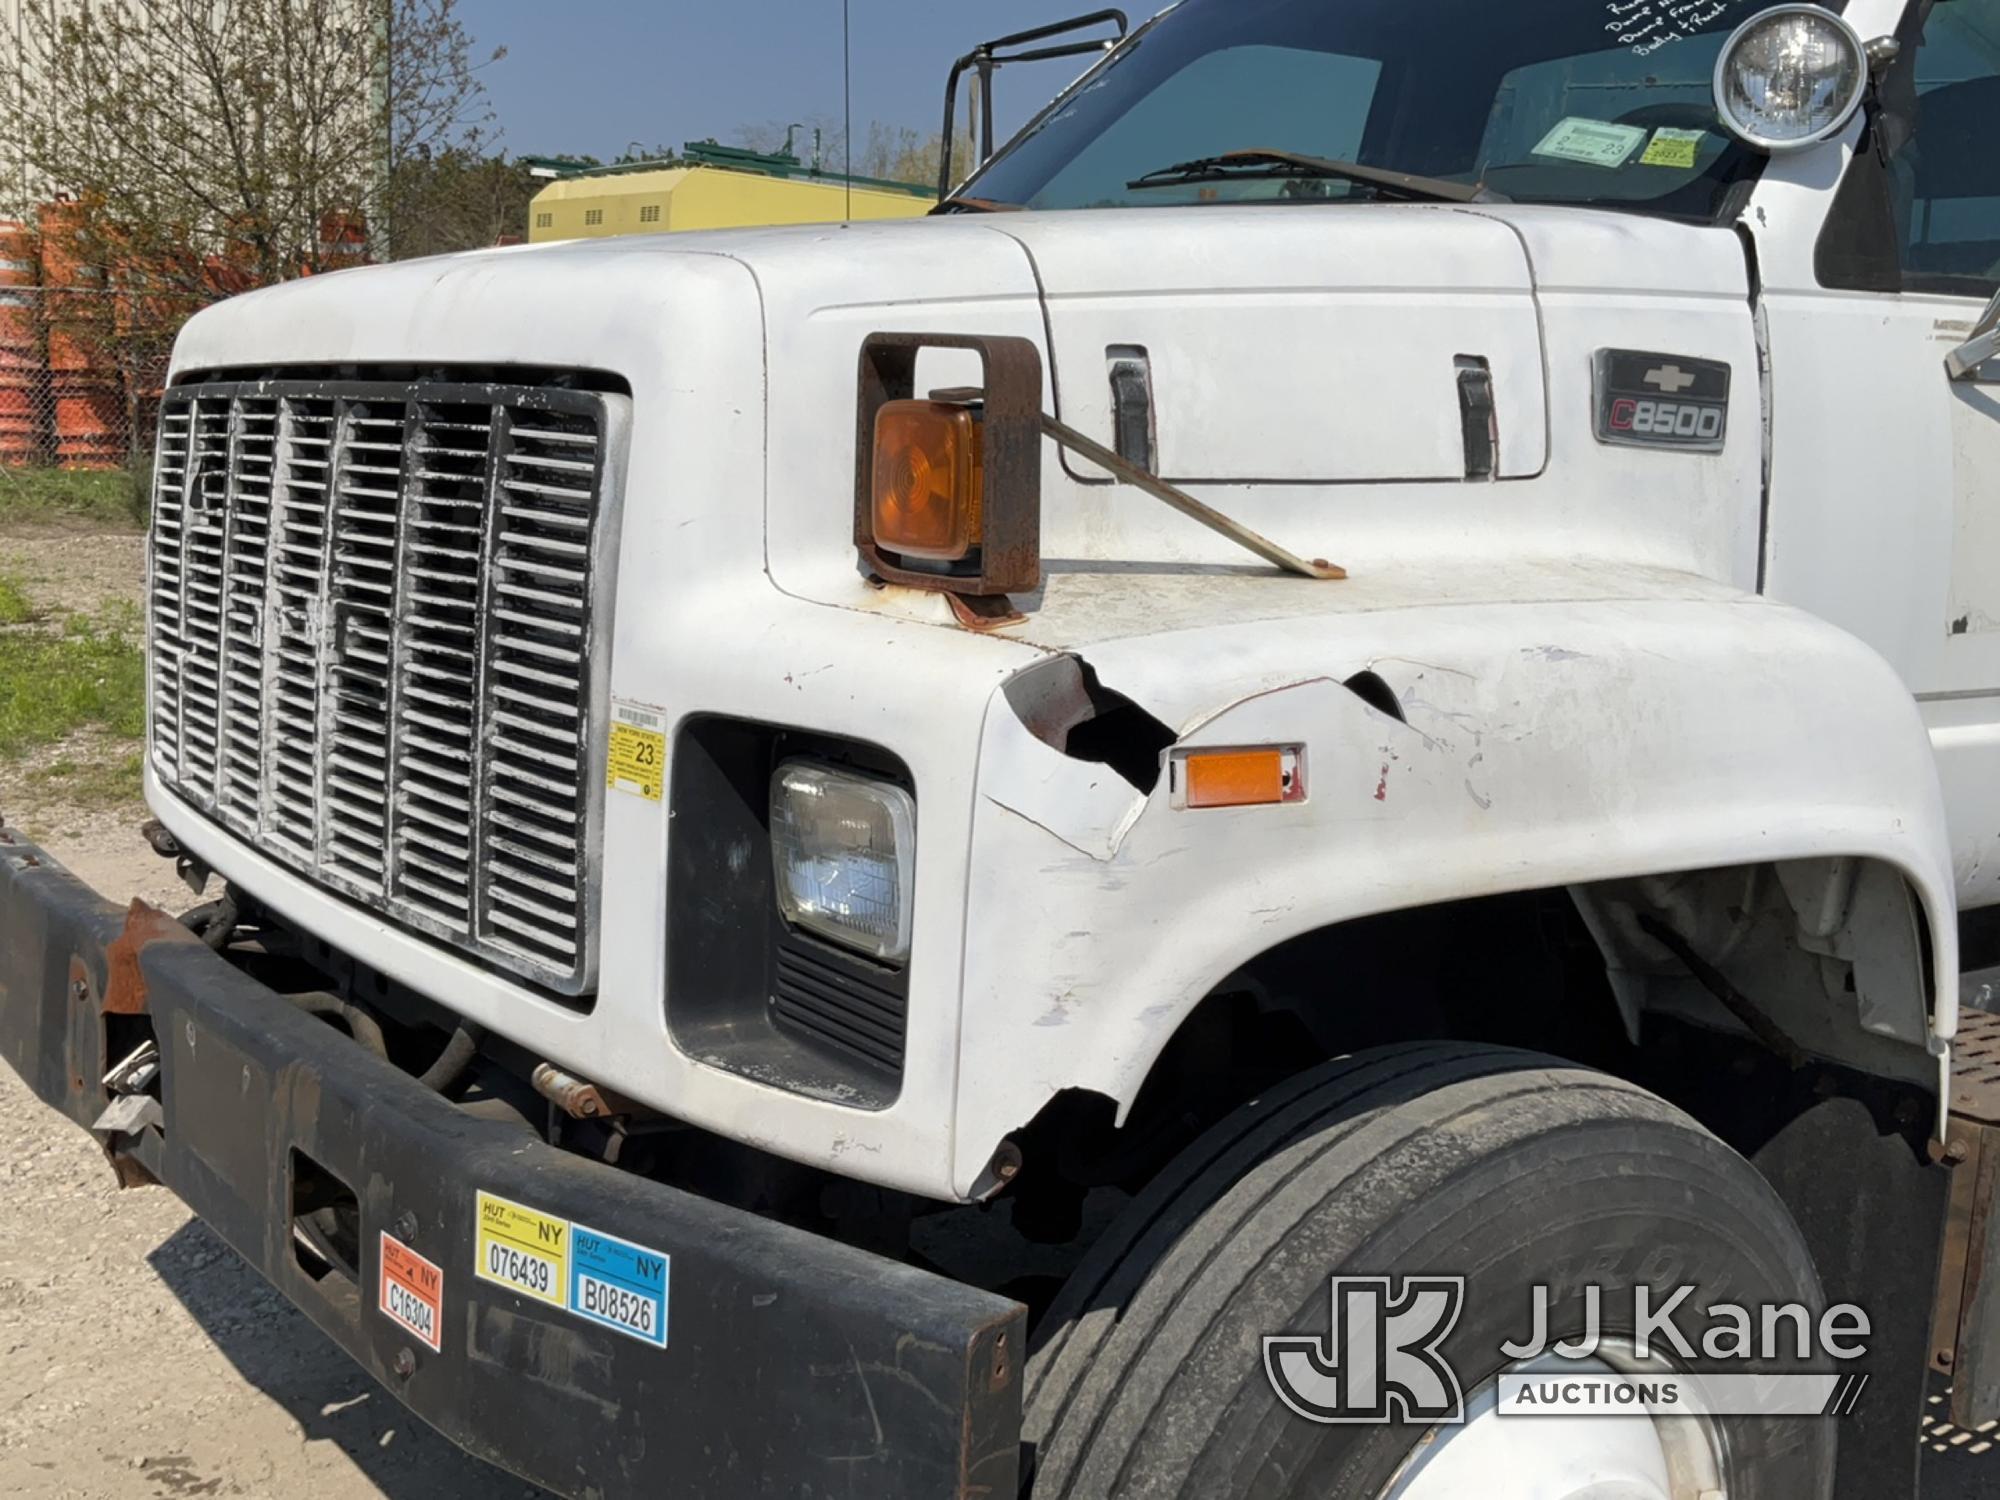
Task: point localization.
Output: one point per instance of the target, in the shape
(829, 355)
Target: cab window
(1313, 102)
(1919, 210)
(1603, 103)
(1948, 179)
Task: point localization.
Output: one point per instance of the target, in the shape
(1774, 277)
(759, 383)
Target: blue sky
(592, 75)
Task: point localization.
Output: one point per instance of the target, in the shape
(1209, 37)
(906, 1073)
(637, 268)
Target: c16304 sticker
(412, 1293)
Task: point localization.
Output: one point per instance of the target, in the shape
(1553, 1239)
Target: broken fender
(1545, 745)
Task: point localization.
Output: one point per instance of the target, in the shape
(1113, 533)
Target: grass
(15, 606)
(116, 497)
(111, 779)
(76, 682)
(72, 684)
(90, 675)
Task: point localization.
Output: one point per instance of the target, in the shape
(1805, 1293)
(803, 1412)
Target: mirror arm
(1982, 344)
(1127, 472)
(985, 58)
(951, 122)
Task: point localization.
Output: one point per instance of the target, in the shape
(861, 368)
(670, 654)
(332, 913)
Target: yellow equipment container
(700, 195)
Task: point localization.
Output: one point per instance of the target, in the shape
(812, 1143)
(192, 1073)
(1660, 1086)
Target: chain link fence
(88, 315)
(80, 379)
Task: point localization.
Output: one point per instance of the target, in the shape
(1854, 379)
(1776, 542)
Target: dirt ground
(140, 1358)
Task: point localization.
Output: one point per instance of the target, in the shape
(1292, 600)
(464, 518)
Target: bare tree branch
(210, 145)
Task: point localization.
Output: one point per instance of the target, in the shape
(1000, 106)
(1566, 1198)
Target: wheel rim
(1564, 1458)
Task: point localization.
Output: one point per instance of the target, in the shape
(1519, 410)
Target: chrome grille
(377, 646)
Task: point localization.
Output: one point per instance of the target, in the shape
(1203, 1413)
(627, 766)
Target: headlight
(1790, 77)
(844, 851)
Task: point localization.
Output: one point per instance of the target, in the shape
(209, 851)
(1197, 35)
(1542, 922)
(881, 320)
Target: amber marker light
(928, 479)
(1264, 776)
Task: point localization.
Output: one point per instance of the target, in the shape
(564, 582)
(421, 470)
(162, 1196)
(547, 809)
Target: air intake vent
(377, 645)
(839, 1002)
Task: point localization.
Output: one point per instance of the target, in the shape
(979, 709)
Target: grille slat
(375, 647)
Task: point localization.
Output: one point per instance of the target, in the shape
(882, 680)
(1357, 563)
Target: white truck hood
(1304, 362)
(1289, 347)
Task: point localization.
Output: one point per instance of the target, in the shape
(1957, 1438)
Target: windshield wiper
(1255, 165)
(965, 205)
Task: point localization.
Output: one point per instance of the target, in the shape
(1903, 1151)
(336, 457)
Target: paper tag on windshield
(1673, 148)
(1596, 142)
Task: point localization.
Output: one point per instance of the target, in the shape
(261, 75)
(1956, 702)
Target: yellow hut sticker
(525, 1251)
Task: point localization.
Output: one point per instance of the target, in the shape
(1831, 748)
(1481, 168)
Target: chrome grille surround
(378, 619)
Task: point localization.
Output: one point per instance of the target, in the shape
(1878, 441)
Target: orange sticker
(412, 1293)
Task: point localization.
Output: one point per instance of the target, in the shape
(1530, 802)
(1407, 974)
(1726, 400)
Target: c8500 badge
(1662, 401)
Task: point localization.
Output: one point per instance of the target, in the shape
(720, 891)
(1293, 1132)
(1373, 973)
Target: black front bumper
(793, 1365)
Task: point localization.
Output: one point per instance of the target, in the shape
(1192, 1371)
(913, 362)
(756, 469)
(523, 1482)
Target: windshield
(1604, 102)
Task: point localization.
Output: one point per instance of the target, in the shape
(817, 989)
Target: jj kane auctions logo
(1381, 1359)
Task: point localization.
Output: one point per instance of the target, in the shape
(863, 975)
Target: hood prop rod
(1130, 473)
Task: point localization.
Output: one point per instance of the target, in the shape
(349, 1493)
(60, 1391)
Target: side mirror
(988, 57)
(1963, 363)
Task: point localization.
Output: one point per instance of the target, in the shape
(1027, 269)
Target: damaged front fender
(1497, 749)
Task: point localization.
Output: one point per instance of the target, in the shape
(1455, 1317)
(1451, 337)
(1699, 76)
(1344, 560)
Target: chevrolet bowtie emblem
(1652, 399)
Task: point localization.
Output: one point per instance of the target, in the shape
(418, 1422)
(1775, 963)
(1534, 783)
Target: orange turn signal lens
(928, 478)
(1241, 778)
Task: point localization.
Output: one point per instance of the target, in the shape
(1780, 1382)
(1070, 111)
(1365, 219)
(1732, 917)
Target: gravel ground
(86, 571)
(140, 1357)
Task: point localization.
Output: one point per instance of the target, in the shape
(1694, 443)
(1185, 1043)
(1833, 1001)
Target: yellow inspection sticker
(1672, 148)
(523, 1250)
(638, 756)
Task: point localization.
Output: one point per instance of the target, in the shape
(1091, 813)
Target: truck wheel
(1513, 1170)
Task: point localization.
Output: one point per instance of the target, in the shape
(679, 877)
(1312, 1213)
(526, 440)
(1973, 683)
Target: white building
(26, 24)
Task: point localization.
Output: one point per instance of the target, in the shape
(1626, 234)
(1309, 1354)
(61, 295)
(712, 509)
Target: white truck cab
(1373, 660)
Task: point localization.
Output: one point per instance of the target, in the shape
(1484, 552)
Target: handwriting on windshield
(1648, 25)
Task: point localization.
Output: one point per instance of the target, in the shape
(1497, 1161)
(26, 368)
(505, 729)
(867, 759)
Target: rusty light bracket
(1130, 473)
(1010, 550)
(1009, 555)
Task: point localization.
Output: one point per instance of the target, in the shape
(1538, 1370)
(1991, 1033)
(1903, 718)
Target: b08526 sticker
(587, 1273)
(523, 1250)
(412, 1293)
(618, 1284)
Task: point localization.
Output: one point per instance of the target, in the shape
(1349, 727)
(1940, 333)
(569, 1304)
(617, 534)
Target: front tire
(1146, 1377)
